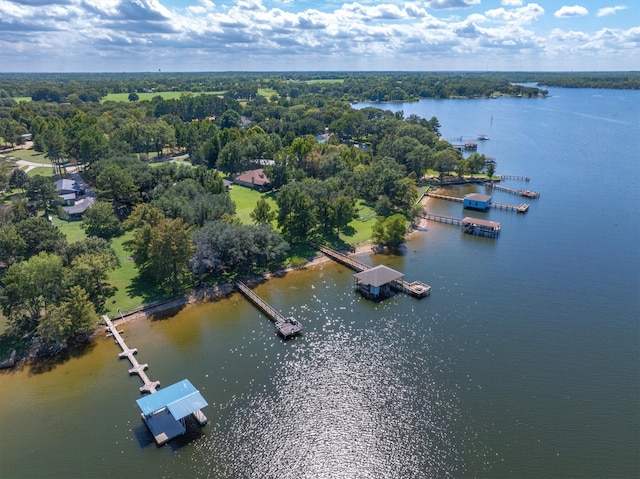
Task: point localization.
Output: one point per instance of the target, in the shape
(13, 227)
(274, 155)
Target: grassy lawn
(71, 229)
(41, 170)
(166, 95)
(29, 155)
(130, 291)
(18, 99)
(246, 199)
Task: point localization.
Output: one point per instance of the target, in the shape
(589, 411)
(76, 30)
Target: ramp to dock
(286, 326)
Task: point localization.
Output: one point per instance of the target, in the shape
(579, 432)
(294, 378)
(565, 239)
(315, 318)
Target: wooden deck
(469, 225)
(521, 208)
(417, 289)
(525, 193)
(514, 177)
(148, 385)
(286, 326)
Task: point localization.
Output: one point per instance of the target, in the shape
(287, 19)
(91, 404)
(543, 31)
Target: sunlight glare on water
(348, 400)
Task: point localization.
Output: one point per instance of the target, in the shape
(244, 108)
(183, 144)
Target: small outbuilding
(164, 411)
(377, 282)
(476, 201)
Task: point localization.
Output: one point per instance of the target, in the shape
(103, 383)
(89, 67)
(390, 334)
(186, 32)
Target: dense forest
(158, 167)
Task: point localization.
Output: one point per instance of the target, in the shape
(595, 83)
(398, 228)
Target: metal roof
(379, 275)
(477, 197)
(181, 399)
(480, 222)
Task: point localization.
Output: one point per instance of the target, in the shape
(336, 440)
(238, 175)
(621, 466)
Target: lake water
(523, 362)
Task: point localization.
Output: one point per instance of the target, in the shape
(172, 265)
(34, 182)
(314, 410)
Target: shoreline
(215, 293)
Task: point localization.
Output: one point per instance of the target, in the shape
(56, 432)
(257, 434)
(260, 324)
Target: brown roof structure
(378, 276)
(255, 178)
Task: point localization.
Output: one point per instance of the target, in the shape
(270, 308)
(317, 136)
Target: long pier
(148, 386)
(442, 219)
(417, 289)
(526, 193)
(514, 177)
(445, 197)
(287, 327)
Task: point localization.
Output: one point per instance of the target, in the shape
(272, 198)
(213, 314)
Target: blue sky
(286, 35)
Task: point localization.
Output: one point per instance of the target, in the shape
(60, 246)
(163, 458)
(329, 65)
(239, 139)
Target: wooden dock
(417, 289)
(446, 197)
(521, 208)
(286, 326)
(525, 193)
(514, 177)
(148, 386)
(473, 226)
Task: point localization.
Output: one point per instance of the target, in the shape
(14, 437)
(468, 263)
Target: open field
(166, 95)
(267, 92)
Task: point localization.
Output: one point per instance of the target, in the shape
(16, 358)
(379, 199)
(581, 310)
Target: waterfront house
(476, 201)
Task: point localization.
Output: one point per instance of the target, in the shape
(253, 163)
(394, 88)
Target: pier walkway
(148, 386)
(526, 193)
(286, 327)
(514, 177)
(417, 289)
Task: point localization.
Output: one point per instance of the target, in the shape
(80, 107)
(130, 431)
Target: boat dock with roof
(164, 412)
(474, 226)
(368, 279)
(487, 203)
(285, 326)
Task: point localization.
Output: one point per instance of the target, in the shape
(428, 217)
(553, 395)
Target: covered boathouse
(480, 227)
(377, 282)
(476, 201)
(165, 411)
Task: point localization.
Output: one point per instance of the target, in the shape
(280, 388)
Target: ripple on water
(359, 405)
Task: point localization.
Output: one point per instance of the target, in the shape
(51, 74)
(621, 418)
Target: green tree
(491, 170)
(262, 213)
(390, 231)
(18, 178)
(91, 271)
(41, 191)
(296, 212)
(116, 184)
(40, 235)
(30, 287)
(133, 96)
(162, 251)
(12, 246)
(99, 220)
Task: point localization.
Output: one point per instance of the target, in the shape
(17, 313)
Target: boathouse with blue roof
(166, 410)
(476, 201)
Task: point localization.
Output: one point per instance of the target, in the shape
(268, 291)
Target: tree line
(322, 157)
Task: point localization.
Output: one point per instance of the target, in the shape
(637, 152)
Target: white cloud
(606, 11)
(121, 35)
(519, 16)
(444, 4)
(571, 11)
